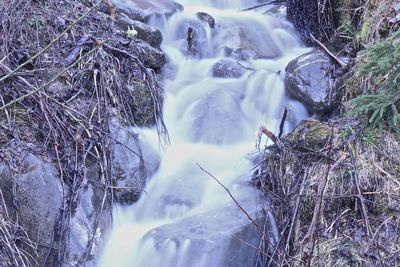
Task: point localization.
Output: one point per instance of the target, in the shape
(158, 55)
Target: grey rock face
(38, 195)
(83, 227)
(311, 78)
(227, 68)
(134, 161)
(151, 57)
(210, 237)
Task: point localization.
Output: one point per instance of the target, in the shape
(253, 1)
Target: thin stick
(282, 124)
(338, 60)
(233, 198)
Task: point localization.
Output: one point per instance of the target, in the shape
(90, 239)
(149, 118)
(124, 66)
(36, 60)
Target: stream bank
(82, 83)
(334, 182)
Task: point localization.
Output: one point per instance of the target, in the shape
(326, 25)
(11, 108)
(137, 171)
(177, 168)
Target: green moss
(311, 134)
(318, 135)
(364, 33)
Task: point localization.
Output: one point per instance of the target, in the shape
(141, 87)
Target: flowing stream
(185, 218)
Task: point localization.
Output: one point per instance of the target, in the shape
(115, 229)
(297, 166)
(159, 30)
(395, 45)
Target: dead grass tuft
(336, 205)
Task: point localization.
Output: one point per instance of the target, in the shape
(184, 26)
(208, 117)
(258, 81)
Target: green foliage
(347, 30)
(130, 32)
(37, 23)
(369, 138)
(380, 65)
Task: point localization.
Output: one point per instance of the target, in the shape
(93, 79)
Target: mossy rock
(311, 134)
(143, 106)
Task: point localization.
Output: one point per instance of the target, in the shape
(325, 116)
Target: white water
(186, 219)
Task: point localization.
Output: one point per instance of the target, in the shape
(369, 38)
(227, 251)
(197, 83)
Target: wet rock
(206, 18)
(313, 80)
(244, 53)
(134, 162)
(256, 40)
(209, 238)
(145, 32)
(278, 10)
(227, 68)
(195, 36)
(37, 198)
(216, 118)
(175, 197)
(151, 57)
(83, 224)
(311, 134)
(143, 10)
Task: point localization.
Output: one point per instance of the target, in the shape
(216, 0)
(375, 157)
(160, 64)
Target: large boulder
(88, 223)
(33, 191)
(227, 68)
(211, 238)
(134, 162)
(312, 78)
(216, 118)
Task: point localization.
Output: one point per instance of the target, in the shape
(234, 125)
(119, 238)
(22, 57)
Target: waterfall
(219, 89)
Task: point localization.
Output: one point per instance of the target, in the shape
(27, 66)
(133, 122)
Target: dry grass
(13, 237)
(336, 204)
(376, 20)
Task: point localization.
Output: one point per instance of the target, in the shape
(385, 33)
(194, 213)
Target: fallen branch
(338, 60)
(264, 130)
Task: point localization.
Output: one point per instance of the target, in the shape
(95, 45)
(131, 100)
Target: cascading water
(185, 218)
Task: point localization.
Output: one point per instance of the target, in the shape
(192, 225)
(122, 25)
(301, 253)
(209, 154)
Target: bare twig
(338, 60)
(282, 124)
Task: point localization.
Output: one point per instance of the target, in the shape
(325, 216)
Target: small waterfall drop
(218, 91)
